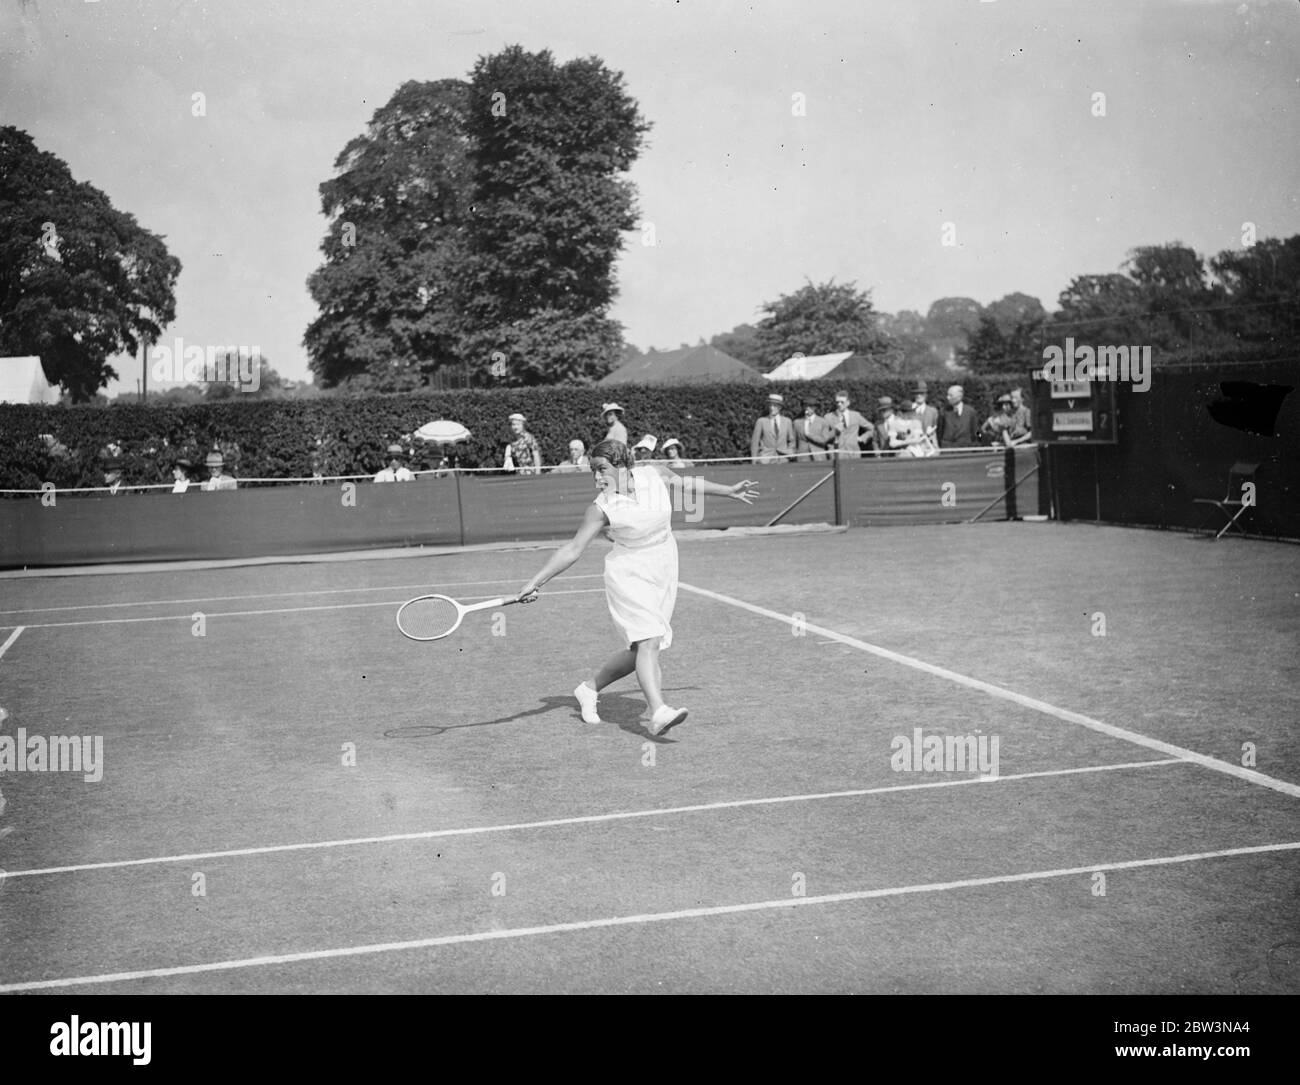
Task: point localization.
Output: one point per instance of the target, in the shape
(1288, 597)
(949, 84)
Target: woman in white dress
(634, 508)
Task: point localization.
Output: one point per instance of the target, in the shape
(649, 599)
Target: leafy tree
(986, 349)
(910, 346)
(397, 209)
(1262, 285)
(741, 343)
(269, 382)
(953, 318)
(548, 146)
(819, 319)
(1097, 308)
(1016, 311)
(80, 280)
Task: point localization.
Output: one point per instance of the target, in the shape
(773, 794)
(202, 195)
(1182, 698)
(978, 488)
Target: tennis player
(634, 507)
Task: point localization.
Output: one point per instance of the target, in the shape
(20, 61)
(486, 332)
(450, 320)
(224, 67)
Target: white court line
(426, 587)
(279, 610)
(1065, 714)
(630, 920)
(586, 819)
(12, 637)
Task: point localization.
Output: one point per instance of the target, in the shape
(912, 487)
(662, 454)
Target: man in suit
(848, 429)
(774, 435)
(959, 425)
(811, 434)
(926, 414)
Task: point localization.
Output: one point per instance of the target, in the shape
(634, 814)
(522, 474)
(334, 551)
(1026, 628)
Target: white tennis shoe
(666, 718)
(587, 702)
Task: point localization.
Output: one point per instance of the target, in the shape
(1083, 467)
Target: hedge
(348, 436)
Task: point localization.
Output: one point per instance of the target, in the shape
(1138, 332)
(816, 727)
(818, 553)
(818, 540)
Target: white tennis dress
(641, 569)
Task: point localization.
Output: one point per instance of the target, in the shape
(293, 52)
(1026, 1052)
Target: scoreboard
(1073, 411)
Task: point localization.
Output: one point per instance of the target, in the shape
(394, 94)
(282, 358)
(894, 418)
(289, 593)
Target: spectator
(773, 435)
(927, 415)
(395, 471)
(996, 424)
(217, 478)
(886, 425)
(1024, 418)
(1004, 429)
(523, 452)
(113, 474)
(906, 437)
(577, 460)
(644, 449)
(846, 427)
(181, 475)
(673, 450)
(448, 463)
(614, 420)
(811, 434)
(959, 425)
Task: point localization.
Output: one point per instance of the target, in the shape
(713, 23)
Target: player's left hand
(743, 491)
(528, 595)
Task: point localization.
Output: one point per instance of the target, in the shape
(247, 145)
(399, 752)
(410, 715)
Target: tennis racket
(432, 617)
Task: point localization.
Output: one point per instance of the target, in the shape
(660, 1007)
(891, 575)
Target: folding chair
(1240, 474)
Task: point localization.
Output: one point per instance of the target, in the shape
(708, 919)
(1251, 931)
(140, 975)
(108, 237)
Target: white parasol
(443, 432)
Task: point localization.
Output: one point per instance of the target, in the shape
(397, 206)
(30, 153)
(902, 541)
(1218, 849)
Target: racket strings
(428, 619)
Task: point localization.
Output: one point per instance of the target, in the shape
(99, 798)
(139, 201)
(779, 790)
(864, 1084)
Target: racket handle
(489, 604)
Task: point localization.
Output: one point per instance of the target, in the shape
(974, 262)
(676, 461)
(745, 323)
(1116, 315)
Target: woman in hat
(997, 426)
(614, 421)
(644, 449)
(217, 478)
(673, 451)
(181, 469)
(523, 452)
(634, 506)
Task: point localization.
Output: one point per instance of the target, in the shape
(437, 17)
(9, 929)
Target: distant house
(689, 364)
(22, 380)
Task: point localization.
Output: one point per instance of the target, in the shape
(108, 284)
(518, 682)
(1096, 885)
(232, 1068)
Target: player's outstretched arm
(593, 523)
(741, 491)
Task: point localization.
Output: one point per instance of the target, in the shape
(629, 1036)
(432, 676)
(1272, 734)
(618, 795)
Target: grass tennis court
(626, 864)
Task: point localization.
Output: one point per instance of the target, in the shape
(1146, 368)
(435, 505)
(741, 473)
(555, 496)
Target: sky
(792, 141)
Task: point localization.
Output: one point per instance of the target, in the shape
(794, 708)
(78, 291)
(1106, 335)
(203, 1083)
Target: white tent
(811, 368)
(22, 380)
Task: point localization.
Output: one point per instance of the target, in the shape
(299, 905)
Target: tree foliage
(80, 280)
(822, 318)
(476, 224)
(397, 209)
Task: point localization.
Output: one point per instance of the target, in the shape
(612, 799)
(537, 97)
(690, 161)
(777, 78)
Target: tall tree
(1097, 309)
(822, 318)
(549, 146)
(397, 209)
(986, 347)
(741, 343)
(80, 280)
(1261, 284)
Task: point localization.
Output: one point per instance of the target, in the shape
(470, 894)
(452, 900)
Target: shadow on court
(626, 711)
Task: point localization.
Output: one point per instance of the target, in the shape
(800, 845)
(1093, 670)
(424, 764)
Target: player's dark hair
(618, 454)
